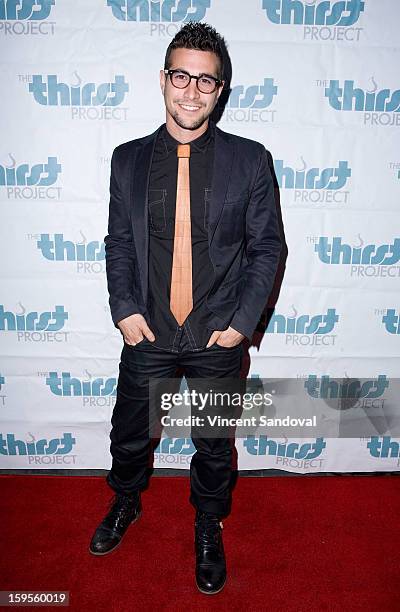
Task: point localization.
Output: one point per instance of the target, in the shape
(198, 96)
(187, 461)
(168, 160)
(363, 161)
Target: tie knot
(183, 150)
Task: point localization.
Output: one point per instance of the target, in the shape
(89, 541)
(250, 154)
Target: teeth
(189, 107)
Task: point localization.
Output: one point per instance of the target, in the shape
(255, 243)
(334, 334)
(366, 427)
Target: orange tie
(181, 300)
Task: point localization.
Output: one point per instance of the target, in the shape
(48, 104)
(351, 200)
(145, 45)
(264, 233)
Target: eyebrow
(199, 75)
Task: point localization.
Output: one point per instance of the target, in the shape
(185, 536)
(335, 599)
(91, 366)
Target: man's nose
(191, 90)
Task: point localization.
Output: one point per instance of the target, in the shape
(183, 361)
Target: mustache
(189, 103)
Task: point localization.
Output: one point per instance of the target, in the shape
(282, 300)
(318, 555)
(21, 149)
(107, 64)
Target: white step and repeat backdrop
(318, 84)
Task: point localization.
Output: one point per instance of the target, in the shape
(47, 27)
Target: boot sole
(107, 552)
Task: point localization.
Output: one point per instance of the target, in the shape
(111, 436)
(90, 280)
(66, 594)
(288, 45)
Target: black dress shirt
(193, 334)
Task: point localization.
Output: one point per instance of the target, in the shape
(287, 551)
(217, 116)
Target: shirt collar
(199, 145)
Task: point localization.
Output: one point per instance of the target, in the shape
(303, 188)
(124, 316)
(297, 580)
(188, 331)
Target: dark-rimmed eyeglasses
(205, 83)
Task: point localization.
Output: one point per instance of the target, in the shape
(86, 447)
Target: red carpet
(292, 544)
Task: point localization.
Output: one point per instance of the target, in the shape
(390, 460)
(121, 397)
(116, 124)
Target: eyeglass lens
(204, 83)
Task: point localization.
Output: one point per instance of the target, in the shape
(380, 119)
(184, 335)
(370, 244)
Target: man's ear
(221, 88)
(162, 81)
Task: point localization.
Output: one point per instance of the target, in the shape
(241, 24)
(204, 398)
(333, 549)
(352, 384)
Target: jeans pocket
(227, 348)
(132, 346)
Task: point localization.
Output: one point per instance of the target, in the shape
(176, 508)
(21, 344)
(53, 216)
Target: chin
(188, 124)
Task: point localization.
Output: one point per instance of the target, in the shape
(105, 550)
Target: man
(191, 255)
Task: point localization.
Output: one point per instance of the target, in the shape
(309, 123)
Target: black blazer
(243, 233)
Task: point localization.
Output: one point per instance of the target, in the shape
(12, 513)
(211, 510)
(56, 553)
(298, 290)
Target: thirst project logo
(95, 392)
(380, 107)
(174, 451)
(24, 181)
(42, 451)
(164, 16)
(306, 455)
(251, 103)
(361, 259)
(26, 17)
(88, 256)
(312, 184)
(85, 100)
(35, 326)
(321, 20)
(305, 329)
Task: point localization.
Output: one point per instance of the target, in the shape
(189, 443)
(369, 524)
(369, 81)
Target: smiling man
(191, 255)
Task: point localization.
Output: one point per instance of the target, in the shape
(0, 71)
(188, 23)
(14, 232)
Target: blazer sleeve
(119, 251)
(263, 247)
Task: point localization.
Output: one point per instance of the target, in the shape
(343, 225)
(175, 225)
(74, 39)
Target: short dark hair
(199, 36)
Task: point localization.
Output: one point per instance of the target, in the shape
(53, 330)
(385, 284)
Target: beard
(190, 124)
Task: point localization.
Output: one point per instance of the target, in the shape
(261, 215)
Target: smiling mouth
(189, 107)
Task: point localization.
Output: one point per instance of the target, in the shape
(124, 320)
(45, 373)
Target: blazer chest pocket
(236, 199)
(157, 218)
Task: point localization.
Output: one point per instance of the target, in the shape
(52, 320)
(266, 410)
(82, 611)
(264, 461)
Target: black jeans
(211, 465)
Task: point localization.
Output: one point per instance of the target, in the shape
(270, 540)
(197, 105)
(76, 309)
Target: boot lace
(208, 529)
(120, 505)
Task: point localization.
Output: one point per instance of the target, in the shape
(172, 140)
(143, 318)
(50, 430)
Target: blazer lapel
(140, 177)
(223, 160)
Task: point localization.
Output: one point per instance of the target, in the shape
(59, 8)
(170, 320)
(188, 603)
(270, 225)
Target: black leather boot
(210, 556)
(125, 510)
